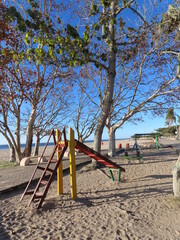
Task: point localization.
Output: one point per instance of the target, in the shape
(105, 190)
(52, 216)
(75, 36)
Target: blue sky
(149, 125)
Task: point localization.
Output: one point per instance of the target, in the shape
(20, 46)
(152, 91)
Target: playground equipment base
(49, 171)
(112, 170)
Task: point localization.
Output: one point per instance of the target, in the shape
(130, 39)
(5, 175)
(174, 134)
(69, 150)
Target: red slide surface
(98, 157)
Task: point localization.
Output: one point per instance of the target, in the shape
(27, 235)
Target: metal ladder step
(44, 169)
(29, 192)
(44, 182)
(38, 195)
(53, 161)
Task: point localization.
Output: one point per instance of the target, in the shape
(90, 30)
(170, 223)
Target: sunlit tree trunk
(111, 73)
(12, 152)
(29, 134)
(112, 142)
(176, 179)
(18, 135)
(36, 148)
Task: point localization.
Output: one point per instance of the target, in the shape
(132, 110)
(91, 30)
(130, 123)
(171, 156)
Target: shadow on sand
(3, 233)
(98, 198)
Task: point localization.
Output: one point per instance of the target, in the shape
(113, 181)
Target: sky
(149, 125)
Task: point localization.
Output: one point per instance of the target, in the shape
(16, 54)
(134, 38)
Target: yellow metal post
(60, 168)
(72, 160)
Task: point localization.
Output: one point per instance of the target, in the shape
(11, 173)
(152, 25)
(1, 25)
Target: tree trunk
(178, 132)
(98, 136)
(29, 134)
(12, 152)
(176, 178)
(108, 95)
(17, 133)
(112, 145)
(36, 148)
(19, 156)
(104, 113)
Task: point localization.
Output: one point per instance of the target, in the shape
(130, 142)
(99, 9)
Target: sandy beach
(141, 206)
(4, 154)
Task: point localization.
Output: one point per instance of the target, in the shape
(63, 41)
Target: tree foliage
(165, 132)
(30, 78)
(126, 52)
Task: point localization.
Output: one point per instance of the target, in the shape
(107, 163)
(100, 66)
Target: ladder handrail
(47, 165)
(52, 133)
(32, 176)
(51, 176)
(38, 163)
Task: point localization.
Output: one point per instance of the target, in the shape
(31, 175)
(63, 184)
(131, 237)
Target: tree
(6, 38)
(139, 93)
(132, 98)
(9, 39)
(170, 28)
(111, 40)
(85, 115)
(28, 104)
(27, 75)
(139, 50)
(55, 110)
(171, 118)
(4, 131)
(105, 41)
(166, 132)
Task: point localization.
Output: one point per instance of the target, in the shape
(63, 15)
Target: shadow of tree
(159, 176)
(3, 233)
(98, 198)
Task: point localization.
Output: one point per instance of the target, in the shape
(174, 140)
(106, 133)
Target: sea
(5, 146)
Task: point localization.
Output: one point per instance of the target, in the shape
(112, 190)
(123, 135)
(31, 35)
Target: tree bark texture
(176, 179)
(18, 135)
(36, 148)
(12, 153)
(112, 142)
(178, 132)
(29, 134)
(108, 95)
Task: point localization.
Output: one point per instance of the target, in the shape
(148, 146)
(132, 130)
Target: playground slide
(95, 155)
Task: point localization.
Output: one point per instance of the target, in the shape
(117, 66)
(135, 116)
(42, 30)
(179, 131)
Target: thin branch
(119, 10)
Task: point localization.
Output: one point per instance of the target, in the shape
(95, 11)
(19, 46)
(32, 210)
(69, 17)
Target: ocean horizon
(6, 147)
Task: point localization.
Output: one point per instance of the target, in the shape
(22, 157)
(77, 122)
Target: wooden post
(72, 160)
(60, 168)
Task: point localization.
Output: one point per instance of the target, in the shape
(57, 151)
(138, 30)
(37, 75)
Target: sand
(141, 206)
